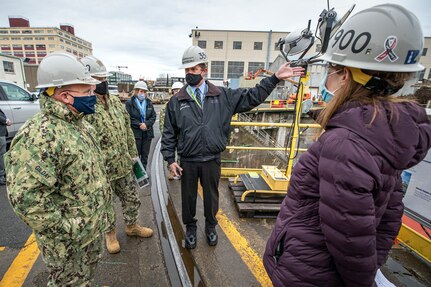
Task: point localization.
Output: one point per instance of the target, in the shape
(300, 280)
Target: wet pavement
(235, 261)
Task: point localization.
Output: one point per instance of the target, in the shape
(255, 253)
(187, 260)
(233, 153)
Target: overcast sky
(150, 36)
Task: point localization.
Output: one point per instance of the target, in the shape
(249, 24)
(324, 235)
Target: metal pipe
(263, 148)
(281, 125)
(294, 147)
(269, 109)
(268, 51)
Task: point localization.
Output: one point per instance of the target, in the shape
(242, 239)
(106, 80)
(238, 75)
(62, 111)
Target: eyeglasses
(100, 79)
(334, 72)
(87, 93)
(328, 65)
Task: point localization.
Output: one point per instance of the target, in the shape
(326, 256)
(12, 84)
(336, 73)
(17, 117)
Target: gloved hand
(135, 159)
(306, 106)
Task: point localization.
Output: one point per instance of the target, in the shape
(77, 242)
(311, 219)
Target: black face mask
(193, 79)
(102, 88)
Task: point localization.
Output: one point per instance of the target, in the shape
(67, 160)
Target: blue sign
(411, 56)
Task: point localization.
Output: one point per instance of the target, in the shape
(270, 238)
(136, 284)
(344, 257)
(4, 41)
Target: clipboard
(140, 173)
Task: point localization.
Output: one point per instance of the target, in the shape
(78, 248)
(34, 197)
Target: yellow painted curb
(21, 266)
(241, 245)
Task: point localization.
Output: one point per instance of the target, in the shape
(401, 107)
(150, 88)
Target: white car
(18, 105)
(113, 90)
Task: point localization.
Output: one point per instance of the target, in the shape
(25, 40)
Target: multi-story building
(34, 43)
(426, 59)
(168, 81)
(118, 77)
(235, 53)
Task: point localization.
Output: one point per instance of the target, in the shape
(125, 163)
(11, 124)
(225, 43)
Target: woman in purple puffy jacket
(344, 204)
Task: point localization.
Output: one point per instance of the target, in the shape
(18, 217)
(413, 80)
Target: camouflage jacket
(56, 176)
(112, 123)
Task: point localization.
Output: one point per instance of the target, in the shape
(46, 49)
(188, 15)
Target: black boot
(191, 238)
(212, 237)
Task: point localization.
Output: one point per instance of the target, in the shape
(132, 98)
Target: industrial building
(34, 43)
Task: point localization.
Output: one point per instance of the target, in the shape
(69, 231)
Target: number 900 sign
(360, 42)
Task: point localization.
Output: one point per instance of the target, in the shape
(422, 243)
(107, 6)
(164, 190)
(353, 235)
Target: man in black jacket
(197, 125)
(4, 122)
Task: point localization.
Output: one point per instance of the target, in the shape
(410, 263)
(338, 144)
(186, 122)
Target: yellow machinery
(274, 177)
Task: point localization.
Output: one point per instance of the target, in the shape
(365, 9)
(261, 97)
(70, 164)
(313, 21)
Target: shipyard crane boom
(251, 76)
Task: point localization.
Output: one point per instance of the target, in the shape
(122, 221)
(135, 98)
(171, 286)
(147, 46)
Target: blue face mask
(85, 105)
(141, 97)
(327, 95)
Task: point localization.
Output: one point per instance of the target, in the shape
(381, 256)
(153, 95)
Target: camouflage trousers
(69, 263)
(125, 189)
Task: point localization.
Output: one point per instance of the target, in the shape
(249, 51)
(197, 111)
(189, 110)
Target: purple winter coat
(344, 203)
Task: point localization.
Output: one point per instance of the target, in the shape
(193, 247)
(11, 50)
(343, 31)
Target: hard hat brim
(101, 75)
(86, 81)
(337, 59)
(191, 64)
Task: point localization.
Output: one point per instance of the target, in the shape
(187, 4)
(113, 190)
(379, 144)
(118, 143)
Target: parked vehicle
(113, 90)
(18, 104)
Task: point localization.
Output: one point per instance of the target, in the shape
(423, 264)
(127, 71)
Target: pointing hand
(285, 72)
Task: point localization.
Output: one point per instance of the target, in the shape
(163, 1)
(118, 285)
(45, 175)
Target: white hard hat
(193, 56)
(141, 85)
(177, 85)
(385, 37)
(95, 67)
(59, 69)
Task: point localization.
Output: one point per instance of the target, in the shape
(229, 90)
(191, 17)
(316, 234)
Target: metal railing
(228, 172)
(264, 138)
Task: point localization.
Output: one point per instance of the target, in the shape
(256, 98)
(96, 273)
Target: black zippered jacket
(3, 126)
(135, 118)
(202, 135)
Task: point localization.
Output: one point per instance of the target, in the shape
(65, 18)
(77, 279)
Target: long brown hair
(354, 91)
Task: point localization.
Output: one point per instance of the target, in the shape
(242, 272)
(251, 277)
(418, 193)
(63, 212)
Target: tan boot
(135, 229)
(112, 243)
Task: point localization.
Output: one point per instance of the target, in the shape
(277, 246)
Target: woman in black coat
(142, 117)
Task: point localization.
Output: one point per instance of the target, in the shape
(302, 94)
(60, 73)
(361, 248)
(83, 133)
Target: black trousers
(209, 175)
(143, 145)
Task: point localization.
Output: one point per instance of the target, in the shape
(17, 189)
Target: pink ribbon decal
(390, 44)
